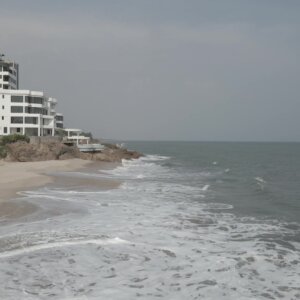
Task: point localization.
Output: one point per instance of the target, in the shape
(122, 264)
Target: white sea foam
(206, 187)
(260, 179)
(154, 158)
(50, 245)
(260, 182)
(144, 167)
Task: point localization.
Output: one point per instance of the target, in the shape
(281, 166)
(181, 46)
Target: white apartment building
(9, 74)
(24, 111)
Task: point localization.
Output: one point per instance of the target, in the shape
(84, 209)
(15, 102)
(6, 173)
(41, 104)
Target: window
(2, 106)
(35, 110)
(18, 99)
(31, 120)
(16, 120)
(37, 100)
(18, 130)
(2, 118)
(34, 100)
(5, 129)
(2, 96)
(16, 109)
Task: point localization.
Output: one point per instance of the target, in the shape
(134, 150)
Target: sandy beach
(21, 176)
(17, 176)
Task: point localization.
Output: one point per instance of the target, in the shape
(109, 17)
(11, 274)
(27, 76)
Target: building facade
(9, 74)
(24, 111)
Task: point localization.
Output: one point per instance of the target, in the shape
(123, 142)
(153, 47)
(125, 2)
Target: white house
(24, 111)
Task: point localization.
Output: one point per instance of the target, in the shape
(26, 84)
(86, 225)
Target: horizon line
(198, 141)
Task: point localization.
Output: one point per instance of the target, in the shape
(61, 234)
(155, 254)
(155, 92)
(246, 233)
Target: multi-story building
(24, 111)
(9, 74)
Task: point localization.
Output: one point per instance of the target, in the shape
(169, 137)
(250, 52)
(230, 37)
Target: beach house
(24, 111)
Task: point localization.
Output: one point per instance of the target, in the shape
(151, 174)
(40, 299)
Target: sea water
(189, 221)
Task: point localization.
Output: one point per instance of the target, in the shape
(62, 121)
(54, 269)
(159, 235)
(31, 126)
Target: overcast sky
(162, 69)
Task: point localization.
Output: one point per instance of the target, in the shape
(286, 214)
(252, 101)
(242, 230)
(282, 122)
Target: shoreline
(18, 176)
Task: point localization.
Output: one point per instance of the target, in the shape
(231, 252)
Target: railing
(90, 147)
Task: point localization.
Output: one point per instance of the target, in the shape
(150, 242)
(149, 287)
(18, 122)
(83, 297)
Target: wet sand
(17, 176)
(72, 180)
(21, 176)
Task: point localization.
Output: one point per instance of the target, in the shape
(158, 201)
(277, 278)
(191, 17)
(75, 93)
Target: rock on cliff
(22, 151)
(111, 155)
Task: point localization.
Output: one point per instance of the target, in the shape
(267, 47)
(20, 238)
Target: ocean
(190, 220)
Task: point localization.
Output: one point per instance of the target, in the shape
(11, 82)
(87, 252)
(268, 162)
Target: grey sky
(163, 69)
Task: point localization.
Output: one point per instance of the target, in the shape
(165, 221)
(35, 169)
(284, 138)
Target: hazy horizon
(201, 141)
(162, 70)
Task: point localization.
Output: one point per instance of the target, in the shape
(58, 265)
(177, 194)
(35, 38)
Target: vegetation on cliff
(10, 139)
